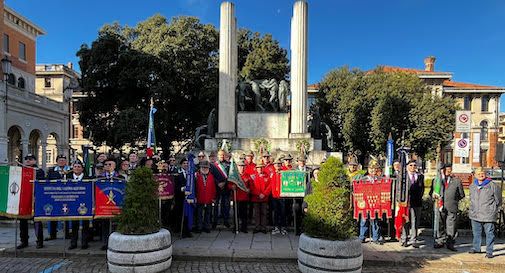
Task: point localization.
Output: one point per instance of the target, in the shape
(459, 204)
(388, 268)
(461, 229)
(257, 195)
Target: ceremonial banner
(166, 186)
(63, 199)
(235, 178)
(293, 183)
(109, 196)
(16, 191)
(373, 198)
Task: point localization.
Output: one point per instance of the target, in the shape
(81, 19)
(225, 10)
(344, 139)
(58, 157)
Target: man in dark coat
(31, 161)
(416, 192)
(450, 195)
(78, 174)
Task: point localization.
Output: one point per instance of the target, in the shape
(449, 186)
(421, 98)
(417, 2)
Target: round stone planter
(139, 253)
(318, 255)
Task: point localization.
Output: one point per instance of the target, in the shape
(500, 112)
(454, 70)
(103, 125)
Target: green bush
(140, 209)
(329, 214)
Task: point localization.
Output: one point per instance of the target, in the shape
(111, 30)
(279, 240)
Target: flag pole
(235, 209)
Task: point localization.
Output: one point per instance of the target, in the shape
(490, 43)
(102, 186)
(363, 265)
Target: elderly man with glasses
(416, 192)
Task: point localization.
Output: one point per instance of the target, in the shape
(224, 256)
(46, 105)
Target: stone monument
(255, 112)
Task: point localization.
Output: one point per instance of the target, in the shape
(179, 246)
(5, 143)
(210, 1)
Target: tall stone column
(299, 70)
(43, 158)
(227, 71)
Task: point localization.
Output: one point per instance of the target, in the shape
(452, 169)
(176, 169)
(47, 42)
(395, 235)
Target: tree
(174, 62)
(366, 107)
(261, 57)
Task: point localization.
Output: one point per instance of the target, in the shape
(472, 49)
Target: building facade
(29, 123)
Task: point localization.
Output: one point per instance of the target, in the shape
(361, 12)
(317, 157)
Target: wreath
(227, 145)
(303, 146)
(261, 145)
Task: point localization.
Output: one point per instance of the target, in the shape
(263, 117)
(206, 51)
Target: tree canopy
(364, 107)
(174, 62)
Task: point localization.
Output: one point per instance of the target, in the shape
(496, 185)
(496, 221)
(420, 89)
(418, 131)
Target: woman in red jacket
(242, 196)
(278, 203)
(260, 192)
(205, 195)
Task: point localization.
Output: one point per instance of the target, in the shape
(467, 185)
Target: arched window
(21, 82)
(11, 79)
(483, 130)
(484, 104)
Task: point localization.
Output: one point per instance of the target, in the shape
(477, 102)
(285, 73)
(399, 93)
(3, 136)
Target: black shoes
(187, 235)
(451, 247)
(439, 246)
(84, 247)
(22, 245)
(38, 246)
(72, 247)
(50, 238)
(489, 256)
(473, 251)
(206, 230)
(227, 225)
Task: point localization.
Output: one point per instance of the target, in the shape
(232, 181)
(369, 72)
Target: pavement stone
(226, 246)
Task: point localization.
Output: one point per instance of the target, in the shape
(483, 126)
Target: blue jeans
(477, 235)
(363, 229)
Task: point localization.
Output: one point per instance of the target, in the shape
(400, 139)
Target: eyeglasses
(412, 165)
(107, 164)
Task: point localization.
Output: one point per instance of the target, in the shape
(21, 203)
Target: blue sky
(466, 36)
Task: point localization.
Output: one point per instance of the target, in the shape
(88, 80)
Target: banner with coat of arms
(63, 200)
(372, 198)
(109, 197)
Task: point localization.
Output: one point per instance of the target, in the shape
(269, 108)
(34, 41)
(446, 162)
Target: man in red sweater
(242, 196)
(205, 195)
(287, 163)
(278, 203)
(268, 165)
(250, 167)
(260, 192)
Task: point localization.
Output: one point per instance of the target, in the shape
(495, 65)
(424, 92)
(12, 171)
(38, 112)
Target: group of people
(104, 167)
(485, 204)
(258, 203)
(257, 200)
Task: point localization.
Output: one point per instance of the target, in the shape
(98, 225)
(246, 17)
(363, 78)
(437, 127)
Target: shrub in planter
(140, 245)
(329, 241)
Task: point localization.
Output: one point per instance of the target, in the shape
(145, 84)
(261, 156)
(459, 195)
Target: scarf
(484, 183)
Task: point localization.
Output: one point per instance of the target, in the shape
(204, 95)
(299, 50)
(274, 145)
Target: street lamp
(7, 69)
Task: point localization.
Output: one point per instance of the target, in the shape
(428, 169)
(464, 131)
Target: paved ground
(98, 265)
(223, 251)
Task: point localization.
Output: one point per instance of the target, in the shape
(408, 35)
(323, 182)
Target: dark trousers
(242, 214)
(298, 214)
(53, 229)
(23, 231)
(84, 233)
(222, 207)
(279, 213)
(203, 211)
(107, 229)
(260, 215)
(166, 213)
(446, 227)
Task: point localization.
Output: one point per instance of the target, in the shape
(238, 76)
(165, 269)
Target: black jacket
(416, 191)
(452, 194)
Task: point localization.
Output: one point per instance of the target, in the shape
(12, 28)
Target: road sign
(462, 148)
(463, 121)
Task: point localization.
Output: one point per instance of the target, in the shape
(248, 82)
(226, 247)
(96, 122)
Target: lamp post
(7, 70)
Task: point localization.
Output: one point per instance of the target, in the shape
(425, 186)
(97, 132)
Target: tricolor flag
(151, 139)
(16, 191)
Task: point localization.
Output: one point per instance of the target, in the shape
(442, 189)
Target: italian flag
(16, 191)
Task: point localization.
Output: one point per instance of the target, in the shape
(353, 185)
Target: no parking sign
(463, 121)
(462, 148)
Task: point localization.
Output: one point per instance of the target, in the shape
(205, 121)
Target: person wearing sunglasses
(416, 192)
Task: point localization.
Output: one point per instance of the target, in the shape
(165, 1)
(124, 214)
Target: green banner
(293, 183)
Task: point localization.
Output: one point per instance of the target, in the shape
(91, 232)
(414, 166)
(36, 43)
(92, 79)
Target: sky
(467, 37)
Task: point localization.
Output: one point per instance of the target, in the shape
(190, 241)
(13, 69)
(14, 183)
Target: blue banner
(63, 199)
